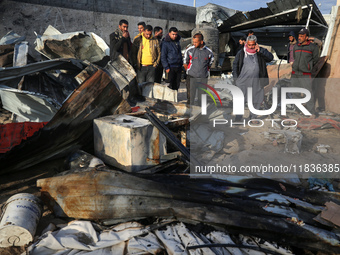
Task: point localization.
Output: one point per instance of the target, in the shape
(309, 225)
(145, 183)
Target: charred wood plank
(113, 194)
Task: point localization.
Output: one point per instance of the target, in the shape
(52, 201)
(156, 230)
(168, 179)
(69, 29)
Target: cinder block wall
(99, 16)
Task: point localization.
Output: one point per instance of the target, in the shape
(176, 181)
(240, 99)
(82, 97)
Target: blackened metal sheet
(282, 5)
(237, 203)
(70, 128)
(288, 4)
(273, 7)
(43, 84)
(304, 2)
(261, 17)
(63, 64)
(238, 18)
(259, 13)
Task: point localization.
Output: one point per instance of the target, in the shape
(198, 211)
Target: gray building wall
(142, 8)
(90, 16)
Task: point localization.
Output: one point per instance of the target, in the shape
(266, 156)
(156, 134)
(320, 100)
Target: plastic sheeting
(30, 106)
(83, 237)
(213, 14)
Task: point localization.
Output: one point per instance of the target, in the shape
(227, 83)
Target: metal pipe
(322, 25)
(170, 136)
(309, 15)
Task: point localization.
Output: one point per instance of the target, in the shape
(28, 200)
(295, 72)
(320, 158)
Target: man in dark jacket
(172, 58)
(241, 43)
(120, 41)
(250, 70)
(306, 55)
(290, 47)
(158, 32)
(197, 62)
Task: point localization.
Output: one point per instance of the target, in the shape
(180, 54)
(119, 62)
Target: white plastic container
(127, 142)
(19, 219)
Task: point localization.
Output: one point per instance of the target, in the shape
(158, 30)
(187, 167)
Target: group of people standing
(151, 54)
(143, 52)
(249, 67)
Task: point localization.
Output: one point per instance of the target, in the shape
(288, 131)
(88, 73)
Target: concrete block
(128, 142)
(158, 91)
(293, 141)
(322, 148)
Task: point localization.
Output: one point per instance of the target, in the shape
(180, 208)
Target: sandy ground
(241, 146)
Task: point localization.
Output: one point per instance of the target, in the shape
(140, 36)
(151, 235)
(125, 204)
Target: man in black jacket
(120, 41)
(241, 43)
(306, 55)
(172, 58)
(158, 32)
(250, 70)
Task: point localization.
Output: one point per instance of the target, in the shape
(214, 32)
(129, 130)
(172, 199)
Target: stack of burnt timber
(260, 207)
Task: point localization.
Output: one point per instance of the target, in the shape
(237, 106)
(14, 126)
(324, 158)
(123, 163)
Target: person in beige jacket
(146, 55)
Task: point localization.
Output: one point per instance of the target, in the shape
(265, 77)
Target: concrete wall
(142, 8)
(25, 18)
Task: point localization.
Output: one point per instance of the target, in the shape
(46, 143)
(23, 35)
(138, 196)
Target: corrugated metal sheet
(278, 12)
(71, 126)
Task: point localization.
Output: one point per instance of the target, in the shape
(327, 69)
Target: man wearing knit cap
(292, 43)
(306, 55)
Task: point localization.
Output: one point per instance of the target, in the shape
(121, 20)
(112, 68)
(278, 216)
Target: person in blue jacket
(171, 58)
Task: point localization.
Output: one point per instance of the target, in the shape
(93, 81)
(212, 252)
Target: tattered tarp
(71, 127)
(213, 14)
(12, 134)
(164, 237)
(279, 12)
(80, 45)
(259, 207)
